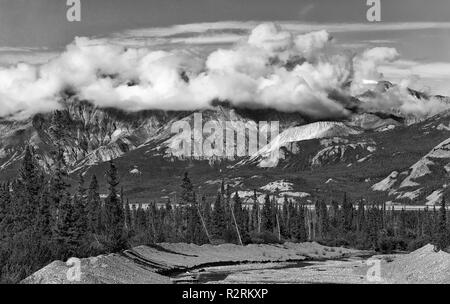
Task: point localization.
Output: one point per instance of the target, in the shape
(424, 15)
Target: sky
(36, 31)
(43, 22)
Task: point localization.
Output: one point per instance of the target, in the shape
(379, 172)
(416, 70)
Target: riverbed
(349, 270)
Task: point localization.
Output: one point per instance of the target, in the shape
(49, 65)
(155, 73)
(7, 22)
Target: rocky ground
(228, 263)
(421, 266)
(144, 264)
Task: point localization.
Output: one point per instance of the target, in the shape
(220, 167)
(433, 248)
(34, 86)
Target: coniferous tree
(285, 226)
(128, 220)
(372, 228)
(256, 214)
(44, 220)
(65, 235)
(187, 190)
(300, 233)
(58, 184)
(324, 224)
(27, 190)
(335, 216)
(94, 207)
(241, 218)
(347, 213)
(114, 213)
(361, 217)
(267, 215)
(6, 216)
(80, 217)
(22, 249)
(218, 218)
(207, 213)
(442, 235)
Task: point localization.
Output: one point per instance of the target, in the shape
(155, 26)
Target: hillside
(356, 155)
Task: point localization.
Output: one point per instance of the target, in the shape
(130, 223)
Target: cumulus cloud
(312, 42)
(366, 66)
(270, 68)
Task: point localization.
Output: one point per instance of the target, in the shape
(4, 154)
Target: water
(217, 274)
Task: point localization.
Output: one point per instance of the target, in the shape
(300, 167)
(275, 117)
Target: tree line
(42, 220)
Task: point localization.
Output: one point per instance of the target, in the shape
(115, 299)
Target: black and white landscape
(96, 185)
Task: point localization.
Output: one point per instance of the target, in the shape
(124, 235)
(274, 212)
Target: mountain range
(378, 155)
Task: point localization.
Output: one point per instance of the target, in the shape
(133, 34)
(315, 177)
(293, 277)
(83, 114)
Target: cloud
(398, 99)
(233, 31)
(310, 43)
(270, 37)
(366, 66)
(270, 67)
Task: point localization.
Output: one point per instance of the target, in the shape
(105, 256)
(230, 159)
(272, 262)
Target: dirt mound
(103, 269)
(421, 266)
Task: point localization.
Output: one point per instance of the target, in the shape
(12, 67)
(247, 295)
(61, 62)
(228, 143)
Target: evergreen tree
(267, 215)
(207, 213)
(65, 240)
(300, 233)
(114, 213)
(361, 221)
(6, 216)
(94, 207)
(141, 225)
(442, 236)
(128, 221)
(324, 224)
(80, 217)
(58, 185)
(218, 218)
(187, 190)
(27, 190)
(372, 228)
(241, 218)
(335, 216)
(44, 220)
(286, 222)
(347, 212)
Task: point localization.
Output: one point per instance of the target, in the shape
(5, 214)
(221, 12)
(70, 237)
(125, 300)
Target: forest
(43, 218)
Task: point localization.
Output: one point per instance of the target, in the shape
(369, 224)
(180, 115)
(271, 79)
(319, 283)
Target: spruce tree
(218, 218)
(256, 213)
(300, 233)
(187, 190)
(128, 215)
(94, 207)
(58, 184)
(361, 221)
(347, 213)
(6, 216)
(207, 213)
(114, 213)
(442, 236)
(28, 189)
(240, 219)
(372, 228)
(324, 224)
(44, 220)
(80, 216)
(267, 215)
(285, 223)
(65, 234)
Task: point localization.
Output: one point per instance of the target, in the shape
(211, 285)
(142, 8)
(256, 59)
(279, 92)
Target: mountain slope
(319, 159)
